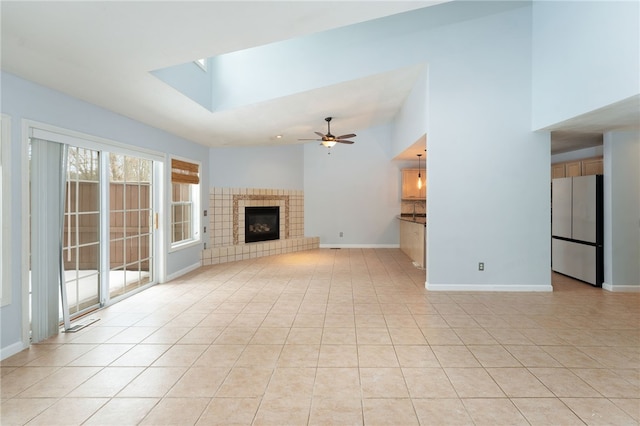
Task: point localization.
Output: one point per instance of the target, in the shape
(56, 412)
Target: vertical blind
(48, 184)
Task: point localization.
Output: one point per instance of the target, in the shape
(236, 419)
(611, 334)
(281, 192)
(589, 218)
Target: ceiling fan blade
(309, 139)
(342, 141)
(319, 134)
(350, 135)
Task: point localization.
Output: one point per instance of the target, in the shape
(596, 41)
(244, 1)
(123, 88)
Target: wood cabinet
(557, 171)
(592, 166)
(588, 166)
(573, 168)
(410, 190)
(412, 241)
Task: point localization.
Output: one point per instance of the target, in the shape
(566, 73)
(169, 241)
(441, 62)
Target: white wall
(488, 174)
(585, 56)
(301, 64)
(271, 167)
(354, 190)
(342, 54)
(411, 122)
(622, 211)
(22, 99)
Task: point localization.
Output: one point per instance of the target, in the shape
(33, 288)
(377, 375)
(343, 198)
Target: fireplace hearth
(261, 224)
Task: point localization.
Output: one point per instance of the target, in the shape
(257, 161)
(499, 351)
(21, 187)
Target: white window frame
(5, 211)
(196, 189)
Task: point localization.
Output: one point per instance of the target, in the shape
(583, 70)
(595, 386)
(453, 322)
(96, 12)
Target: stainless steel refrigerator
(577, 228)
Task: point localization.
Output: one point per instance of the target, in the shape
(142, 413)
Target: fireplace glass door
(261, 224)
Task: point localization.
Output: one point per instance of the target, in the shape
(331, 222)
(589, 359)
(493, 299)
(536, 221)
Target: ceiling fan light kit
(328, 140)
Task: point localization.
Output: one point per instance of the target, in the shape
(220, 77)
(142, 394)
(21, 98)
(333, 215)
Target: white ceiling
(103, 52)
(586, 130)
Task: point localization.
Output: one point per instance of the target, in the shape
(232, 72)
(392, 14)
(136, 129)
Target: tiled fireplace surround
(226, 224)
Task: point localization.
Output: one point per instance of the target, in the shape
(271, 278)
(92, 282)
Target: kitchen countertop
(409, 217)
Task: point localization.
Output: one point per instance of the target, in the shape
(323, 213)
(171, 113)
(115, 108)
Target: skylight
(202, 63)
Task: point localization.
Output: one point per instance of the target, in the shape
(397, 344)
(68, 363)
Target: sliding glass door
(100, 245)
(130, 223)
(130, 202)
(81, 231)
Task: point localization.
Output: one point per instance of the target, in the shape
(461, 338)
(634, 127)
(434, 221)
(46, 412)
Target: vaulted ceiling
(105, 52)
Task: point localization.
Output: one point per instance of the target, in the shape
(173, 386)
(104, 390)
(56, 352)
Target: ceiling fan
(330, 140)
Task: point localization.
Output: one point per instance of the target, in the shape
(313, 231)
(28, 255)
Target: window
(5, 223)
(185, 202)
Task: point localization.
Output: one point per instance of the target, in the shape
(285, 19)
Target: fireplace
(261, 224)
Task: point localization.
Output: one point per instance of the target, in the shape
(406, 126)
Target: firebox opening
(261, 224)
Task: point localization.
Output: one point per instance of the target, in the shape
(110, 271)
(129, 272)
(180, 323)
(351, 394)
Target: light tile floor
(336, 337)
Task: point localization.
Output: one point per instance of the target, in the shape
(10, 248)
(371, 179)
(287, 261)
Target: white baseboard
(11, 350)
(183, 271)
(488, 287)
(355, 246)
(621, 288)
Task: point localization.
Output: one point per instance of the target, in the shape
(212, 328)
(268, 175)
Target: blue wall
(586, 55)
(271, 167)
(22, 99)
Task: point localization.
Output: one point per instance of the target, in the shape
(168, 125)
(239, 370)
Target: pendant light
(419, 174)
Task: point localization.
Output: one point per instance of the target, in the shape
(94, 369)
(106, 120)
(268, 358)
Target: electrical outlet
(480, 266)
(205, 212)
(341, 234)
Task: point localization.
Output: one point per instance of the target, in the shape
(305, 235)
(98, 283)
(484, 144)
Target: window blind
(184, 172)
